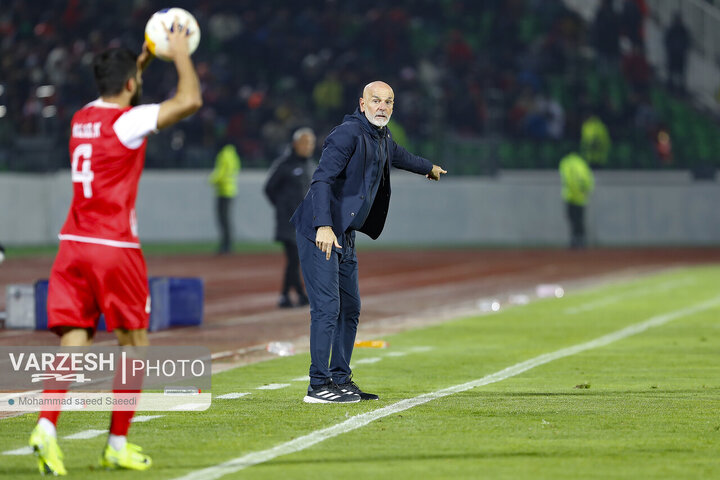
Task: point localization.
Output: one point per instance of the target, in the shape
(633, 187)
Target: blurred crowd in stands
(511, 68)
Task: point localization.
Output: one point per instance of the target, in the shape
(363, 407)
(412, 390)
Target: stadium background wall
(513, 209)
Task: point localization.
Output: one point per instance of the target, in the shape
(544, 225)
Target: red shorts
(87, 280)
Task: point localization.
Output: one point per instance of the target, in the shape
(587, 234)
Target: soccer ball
(155, 35)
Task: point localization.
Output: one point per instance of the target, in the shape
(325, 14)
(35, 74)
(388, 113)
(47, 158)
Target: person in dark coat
(606, 36)
(349, 192)
(677, 45)
(287, 183)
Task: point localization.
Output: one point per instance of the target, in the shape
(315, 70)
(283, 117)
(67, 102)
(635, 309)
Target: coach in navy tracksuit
(350, 191)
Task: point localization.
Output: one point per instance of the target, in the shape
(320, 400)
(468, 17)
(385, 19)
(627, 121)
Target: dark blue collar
(358, 116)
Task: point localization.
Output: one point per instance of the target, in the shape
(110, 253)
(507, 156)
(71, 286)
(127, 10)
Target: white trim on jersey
(134, 125)
(99, 241)
(137, 123)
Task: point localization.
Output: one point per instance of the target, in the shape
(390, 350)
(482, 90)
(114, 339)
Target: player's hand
(144, 58)
(325, 239)
(177, 40)
(435, 173)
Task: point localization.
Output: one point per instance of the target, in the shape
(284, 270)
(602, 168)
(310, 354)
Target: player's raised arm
(188, 98)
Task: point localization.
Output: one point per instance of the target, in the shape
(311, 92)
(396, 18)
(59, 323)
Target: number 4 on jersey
(84, 176)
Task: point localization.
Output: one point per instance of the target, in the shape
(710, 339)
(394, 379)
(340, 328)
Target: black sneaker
(285, 302)
(351, 388)
(329, 393)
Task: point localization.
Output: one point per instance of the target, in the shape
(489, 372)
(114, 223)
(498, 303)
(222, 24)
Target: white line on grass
(231, 396)
(273, 386)
(367, 360)
(145, 418)
(632, 293)
(19, 451)
(353, 423)
(85, 434)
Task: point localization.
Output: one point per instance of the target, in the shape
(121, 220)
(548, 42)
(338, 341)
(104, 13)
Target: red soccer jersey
(107, 152)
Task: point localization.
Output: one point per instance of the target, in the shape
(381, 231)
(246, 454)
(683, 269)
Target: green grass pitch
(645, 406)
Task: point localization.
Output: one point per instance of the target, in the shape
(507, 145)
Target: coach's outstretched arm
(188, 98)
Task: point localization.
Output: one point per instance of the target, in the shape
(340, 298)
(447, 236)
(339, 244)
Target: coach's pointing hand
(325, 239)
(435, 173)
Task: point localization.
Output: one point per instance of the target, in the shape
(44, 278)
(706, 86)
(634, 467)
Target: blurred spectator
(663, 146)
(606, 35)
(631, 20)
(288, 182)
(577, 185)
(328, 96)
(224, 179)
(471, 67)
(555, 119)
(646, 118)
(677, 45)
(637, 70)
(594, 141)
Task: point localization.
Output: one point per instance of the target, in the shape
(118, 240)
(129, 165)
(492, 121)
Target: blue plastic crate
(41, 292)
(176, 302)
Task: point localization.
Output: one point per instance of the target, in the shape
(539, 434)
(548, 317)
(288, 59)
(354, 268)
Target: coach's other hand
(435, 173)
(325, 239)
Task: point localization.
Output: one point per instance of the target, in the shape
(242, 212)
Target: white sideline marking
(92, 433)
(396, 354)
(85, 434)
(633, 293)
(367, 360)
(420, 349)
(231, 396)
(353, 423)
(19, 451)
(273, 386)
(305, 378)
(145, 418)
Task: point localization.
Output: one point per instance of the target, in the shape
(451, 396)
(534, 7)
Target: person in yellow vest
(224, 179)
(594, 141)
(577, 184)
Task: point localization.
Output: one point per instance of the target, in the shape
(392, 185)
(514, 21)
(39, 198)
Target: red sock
(51, 415)
(51, 391)
(120, 420)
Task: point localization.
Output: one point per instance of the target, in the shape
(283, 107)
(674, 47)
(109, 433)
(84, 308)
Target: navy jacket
(287, 183)
(343, 179)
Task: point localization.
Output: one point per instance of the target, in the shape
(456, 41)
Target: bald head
(377, 102)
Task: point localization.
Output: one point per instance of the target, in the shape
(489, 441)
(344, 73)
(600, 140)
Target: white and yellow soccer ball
(156, 37)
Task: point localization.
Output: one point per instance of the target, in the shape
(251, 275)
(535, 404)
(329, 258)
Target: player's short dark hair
(112, 68)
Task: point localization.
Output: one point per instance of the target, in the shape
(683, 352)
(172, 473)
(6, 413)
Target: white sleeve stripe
(137, 123)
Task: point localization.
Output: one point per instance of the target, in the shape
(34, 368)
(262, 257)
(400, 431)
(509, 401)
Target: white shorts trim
(99, 241)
